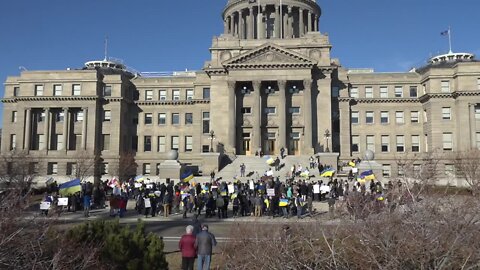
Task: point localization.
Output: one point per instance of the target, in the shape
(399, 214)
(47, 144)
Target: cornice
(172, 102)
(387, 100)
(270, 66)
(453, 95)
(215, 71)
(49, 98)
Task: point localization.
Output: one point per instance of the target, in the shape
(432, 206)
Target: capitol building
(270, 84)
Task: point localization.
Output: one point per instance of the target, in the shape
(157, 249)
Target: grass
(174, 260)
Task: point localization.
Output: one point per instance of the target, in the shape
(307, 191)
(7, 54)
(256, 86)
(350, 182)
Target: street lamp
(212, 137)
(327, 136)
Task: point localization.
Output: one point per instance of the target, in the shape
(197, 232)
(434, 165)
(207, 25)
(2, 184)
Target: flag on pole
(367, 175)
(445, 33)
(327, 172)
(187, 176)
(70, 187)
(139, 178)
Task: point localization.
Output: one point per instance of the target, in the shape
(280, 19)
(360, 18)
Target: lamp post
(212, 137)
(327, 136)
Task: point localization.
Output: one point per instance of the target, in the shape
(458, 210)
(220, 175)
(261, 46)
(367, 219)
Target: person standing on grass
(204, 244)
(187, 248)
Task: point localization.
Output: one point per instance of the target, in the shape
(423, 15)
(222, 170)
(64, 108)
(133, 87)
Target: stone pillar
(324, 107)
(257, 116)
(251, 26)
(65, 128)
(241, 28)
(287, 23)
(316, 24)
(234, 26)
(84, 128)
(225, 25)
(232, 113)
(307, 116)
(282, 113)
(28, 129)
(277, 21)
(473, 125)
(301, 27)
(46, 129)
(260, 25)
(309, 21)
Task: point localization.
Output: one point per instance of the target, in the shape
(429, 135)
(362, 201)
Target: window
(383, 92)
(40, 116)
(415, 143)
(78, 116)
(384, 118)
(205, 148)
(206, 122)
(162, 118)
(175, 118)
(52, 168)
(105, 142)
(246, 110)
(188, 143)
(104, 168)
(38, 90)
(355, 143)
(107, 116)
(354, 92)
(477, 111)
(16, 91)
(413, 92)
(41, 142)
(206, 93)
(188, 118)
(57, 89)
(355, 117)
(369, 117)
(162, 94)
(371, 142)
(107, 91)
(386, 170)
(146, 168)
(148, 118)
(14, 116)
(270, 110)
(75, 142)
(447, 140)
(414, 117)
(478, 140)
(175, 94)
(478, 84)
(59, 116)
(400, 143)
(368, 92)
(147, 143)
(71, 168)
(399, 118)
(295, 135)
(76, 90)
(446, 113)
(13, 141)
(449, 169)
(445, 86)
(398, 91)
(148, 94)
(189, 94)
(385, 143)
(335, 91)
(174, 142)
(161, 144)
(57, 143)
(295, 110)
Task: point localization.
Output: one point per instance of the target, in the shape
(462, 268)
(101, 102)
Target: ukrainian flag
(139, 178)
(186, 176)
(283, 202)
(327, 172)
(70, 187)
(367, 175)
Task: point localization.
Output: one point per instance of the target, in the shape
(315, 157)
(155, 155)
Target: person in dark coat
(204, 244)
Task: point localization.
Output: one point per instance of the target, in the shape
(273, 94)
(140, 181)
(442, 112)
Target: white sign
(149, 186)
(269, 173)
(62, 201)
(138, 185)
(324, 189)
(148, 204)
(354, 170)
(44, 205)
(252, 187)
(270, 192)
(316, 189)
(231, 189)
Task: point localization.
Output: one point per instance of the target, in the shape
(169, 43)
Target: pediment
(269, 56)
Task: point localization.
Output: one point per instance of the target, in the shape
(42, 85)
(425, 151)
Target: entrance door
(246, 147)
(294, 147)
(270, 147)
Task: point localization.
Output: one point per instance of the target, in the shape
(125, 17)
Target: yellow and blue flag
(367, 175)
(139, 178)
(327, 172)
(187, 176)
(283, 202)
(70, 187)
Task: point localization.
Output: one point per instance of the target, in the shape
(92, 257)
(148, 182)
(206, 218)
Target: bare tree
(467, 167)
(18, 170)
(85, 165)
(125, 168)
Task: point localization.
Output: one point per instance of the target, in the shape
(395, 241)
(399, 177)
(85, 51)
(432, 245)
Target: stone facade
(270, 84)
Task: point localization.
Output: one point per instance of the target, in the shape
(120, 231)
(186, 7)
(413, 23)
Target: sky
(174, 35)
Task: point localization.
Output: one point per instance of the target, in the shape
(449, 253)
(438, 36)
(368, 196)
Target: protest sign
(147, 203)
(44, 205)
(316, 189)
(231, 189)
(62, 201)
(270, 192)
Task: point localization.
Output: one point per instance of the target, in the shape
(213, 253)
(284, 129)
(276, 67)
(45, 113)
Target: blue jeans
(203, 262)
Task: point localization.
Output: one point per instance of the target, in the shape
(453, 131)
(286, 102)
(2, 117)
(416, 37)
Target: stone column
(301, 27)
(260, 25)
(84, 128)
(225, 25)
(307, 116)
(316, 24)
(232, 113)
(46, 129)
(309, 21)
(241, 28)
(251, 26)
(65, 128)
(473, 125)
(277, 21)
(28, 129)
(282, 113)
(257, 116)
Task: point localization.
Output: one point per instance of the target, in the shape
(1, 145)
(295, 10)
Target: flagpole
(449, 40)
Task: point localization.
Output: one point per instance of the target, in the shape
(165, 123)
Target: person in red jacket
(187, 247)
